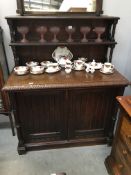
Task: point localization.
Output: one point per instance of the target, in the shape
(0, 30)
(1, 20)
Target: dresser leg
(109, 141)
(111, 167)
(21, 149)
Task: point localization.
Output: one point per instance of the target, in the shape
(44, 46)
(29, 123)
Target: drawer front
(122, 157)
(125, 131)
(125, 153)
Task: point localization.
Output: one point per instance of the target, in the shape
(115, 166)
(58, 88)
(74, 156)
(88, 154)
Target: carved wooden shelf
(70, 16)
(62, 43)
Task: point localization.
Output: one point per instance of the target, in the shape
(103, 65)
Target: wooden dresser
(119, 161)
(58, 110)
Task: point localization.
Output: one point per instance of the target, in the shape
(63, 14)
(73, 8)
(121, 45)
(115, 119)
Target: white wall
(7, 8)
(122, 52)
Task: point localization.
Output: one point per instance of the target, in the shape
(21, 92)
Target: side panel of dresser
(119, 161)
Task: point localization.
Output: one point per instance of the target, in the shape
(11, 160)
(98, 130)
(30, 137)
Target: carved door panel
(90, 113)
(41, 115)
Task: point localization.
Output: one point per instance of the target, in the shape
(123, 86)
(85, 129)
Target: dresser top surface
(62, 80)
(125, 102)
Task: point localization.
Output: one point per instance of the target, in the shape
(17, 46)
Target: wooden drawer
(125, 131)
(122, 157)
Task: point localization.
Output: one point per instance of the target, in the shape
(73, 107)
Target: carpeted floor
(74, 161)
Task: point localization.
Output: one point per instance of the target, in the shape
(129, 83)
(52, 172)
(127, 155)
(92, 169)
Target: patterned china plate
(53, 70)
(79, 69)
(107, 73)
(60, 52)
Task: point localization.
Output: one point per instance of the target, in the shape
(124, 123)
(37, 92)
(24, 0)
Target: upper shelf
(65, 16)
(62, 43)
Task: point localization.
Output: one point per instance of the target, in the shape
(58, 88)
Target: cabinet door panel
(91, 112)
(41, 115)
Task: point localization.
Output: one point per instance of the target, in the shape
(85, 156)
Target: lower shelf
(60, 144)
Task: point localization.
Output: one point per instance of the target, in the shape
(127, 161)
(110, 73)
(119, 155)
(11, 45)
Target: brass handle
(120, 166)
(124, 152)
(129, 136)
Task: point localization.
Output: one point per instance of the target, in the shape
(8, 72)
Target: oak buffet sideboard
(60, 110)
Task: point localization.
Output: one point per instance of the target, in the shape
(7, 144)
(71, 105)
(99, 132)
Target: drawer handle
(124, 152)
(120, 166)
(129, 136)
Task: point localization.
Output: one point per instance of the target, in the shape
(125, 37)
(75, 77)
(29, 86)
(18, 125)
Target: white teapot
(62, 61)
(93, 63)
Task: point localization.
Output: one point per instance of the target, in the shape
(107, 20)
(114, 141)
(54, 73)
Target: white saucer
(20, 74)
(36, 72)
(109, 72)
(78, 69)
(52, 70)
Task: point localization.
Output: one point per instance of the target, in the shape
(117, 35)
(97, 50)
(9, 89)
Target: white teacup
(78, 64)
(37, 68)
(108, 67)
(32, 63)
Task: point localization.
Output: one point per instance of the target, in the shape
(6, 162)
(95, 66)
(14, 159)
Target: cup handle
(112, 66)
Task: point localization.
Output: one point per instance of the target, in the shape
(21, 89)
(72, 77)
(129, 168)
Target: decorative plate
(50, 71)
(60, 52)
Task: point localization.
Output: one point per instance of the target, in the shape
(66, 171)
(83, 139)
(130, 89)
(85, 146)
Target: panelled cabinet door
(90, 113)
(41, 115)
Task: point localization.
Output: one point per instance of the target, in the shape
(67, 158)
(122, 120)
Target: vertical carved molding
(110, 32)
(99, 7)
(113, 30)
(16, 58)
(114, 116)
(20, 7)
(21, 146)
(111, 53)
(12, 31)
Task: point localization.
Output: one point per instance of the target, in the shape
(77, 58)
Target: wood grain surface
(63, 80)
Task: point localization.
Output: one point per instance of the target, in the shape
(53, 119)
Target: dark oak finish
(64, 110)
(60, 110)
(119, 161)
(21, 10)
(63, 80)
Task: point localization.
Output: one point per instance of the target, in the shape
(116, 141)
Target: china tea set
(63, 56)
